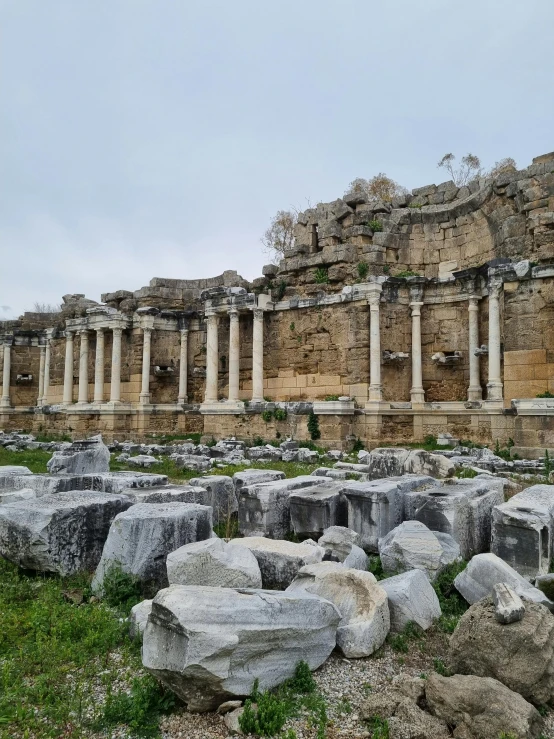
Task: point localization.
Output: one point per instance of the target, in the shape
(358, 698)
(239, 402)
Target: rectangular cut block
(264, 508)
(108, 482)
(461, 508)
(62, 533)
(374, 508)
(317, 508)
(522, 530)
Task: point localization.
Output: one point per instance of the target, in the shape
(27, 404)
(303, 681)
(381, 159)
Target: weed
(379, 728)
(313, 427)
(227, 529)
(258, 441)
(281, 288)
(401, 642)
(547, 394)
(375, 566)
(331, 397)
(292, 327)
(548, 466)
(375, 225)
(121, 590)
(363, 270)
(453, 606)
(386, 269)
(407, 273)
(441, 668)
(466, 473)
(267, 416)
(321, 276)
(280, 414)
(140, 709)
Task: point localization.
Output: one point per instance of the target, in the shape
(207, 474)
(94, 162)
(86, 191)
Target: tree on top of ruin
(470, 168)
(379, 186)
(504, 165)
(279, 237)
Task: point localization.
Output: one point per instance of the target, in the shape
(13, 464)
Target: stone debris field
(335, 572)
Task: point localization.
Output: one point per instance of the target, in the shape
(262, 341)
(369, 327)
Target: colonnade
(417, 393)
(212, 357)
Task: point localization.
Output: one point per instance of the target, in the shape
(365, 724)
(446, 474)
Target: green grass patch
(57, 654)
(34, 459)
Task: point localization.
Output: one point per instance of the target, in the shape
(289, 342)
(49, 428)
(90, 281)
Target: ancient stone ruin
(388, 320)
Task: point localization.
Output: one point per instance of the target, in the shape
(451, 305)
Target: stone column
(115, 388)
(83, 367)
(494, 385)
(474, 391)
(258, 357)
(375, 389)
(234, 356)
(68, 369)
(183, 367)
(144, 397)
(46, 386)
(5, 399)
(99, 367)
(417, 392)
(212, 359)
(41, 376)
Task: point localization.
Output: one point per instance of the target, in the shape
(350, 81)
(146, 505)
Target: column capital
(147, 329)
(184, 331)
(117, 330)
(416, 307)
(258, 313)
(374, 298)
(473, 301)
(69, 334)
(495, 287)
(100, 329)
(83, 332)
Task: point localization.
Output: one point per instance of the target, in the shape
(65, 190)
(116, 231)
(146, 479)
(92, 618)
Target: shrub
(280, 414)
(379, 728)
(258, 441)
(375, 566)
(120, 589)
(466, 473)
(331, 397)
(547, 394)
(375, 225)
(363, 270)
(313, 427)
(407, 273)
(267, 416)
(321, 275)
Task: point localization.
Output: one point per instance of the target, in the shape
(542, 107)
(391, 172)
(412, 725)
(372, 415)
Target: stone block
(374, 508)
(412, 599)
(62, 533)
(213, 563)
(89, 455)
(264, 508)
(461, 508)
(316, 508)
(280, 561)
(140, 539)
(252, 477)
(508, 606)
(522, 530)
(221, 496)
(413, 546)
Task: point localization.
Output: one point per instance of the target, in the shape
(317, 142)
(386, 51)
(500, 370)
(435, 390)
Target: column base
(5, 403)
(417, 396)
(474, 393)
(182, 401)
(495, 391)
(144, 399)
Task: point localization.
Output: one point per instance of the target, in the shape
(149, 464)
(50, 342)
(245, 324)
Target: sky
(157, 138)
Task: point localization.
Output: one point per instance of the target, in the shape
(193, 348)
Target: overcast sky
(143, 138)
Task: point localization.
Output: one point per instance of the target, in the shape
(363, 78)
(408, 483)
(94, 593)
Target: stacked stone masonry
(432, 313)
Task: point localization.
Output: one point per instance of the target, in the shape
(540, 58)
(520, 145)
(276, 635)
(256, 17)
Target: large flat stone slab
(62, 533)
(214, 563)
(280, 561)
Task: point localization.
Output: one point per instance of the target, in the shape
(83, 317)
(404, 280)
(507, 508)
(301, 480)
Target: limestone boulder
(213, 562)
(520, 654)
(141, 537)
(8, 470)
(88, 455)
(412, 598)
(138, 618)
(13, 496)
(420, 462)
(142, 460)
(485, 571)
(280, 561)
(404, 717)
(413, 546)
(221, 495)
(63, 533)
(482, 706)
(168, 494)
(196, 462)
(362, 603)
(209, 644)
(343, 543)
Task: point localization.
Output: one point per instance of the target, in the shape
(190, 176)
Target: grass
(34, 459)
(57, 658)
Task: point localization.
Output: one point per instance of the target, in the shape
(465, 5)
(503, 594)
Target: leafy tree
(470, 168)
(279, 237)
(379, 186)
